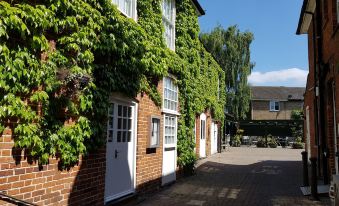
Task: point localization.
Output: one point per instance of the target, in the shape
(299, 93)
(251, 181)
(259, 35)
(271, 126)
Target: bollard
(305, 169)
(314, 184)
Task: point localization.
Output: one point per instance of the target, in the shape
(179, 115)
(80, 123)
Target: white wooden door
(214, 138)
(202, 135)
(120, 150)
(169, 163)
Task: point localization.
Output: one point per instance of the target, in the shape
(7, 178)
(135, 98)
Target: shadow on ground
(262, 183)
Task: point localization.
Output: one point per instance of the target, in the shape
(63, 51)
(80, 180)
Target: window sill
(127, 16)
(153, 146)
(274, 110)
(167, 111)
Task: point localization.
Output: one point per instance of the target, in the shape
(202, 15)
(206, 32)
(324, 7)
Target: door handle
(116, 154)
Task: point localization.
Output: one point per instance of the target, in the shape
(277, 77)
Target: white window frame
(168, 90)
(133, 10)
(114, 118)
(175, 125)
(170, 21)
(273, 104)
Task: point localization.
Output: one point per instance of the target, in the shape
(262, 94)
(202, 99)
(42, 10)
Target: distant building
(275, 103)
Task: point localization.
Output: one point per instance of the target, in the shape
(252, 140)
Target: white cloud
(285, 77)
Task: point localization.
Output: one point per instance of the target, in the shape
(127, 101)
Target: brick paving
(240, 176)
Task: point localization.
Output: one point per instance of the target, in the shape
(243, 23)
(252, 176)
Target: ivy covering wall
(60, 60)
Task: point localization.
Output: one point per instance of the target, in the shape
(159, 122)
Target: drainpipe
(315, 87)
(324, 148)
(335, 128)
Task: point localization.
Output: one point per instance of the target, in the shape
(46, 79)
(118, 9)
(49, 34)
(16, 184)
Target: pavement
(241, 176)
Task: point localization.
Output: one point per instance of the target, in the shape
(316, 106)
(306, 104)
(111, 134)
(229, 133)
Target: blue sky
(279, 54)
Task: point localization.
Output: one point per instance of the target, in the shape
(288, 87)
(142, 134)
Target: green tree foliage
(60, 60)
(231, 49)
(297, 114)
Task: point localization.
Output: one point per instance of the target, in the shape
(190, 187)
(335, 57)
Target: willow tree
(231, 49)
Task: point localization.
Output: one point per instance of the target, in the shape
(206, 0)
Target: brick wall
(330, 74)
(81, 185)
(330, 37)
(261, 110)
(309, 102)
(149, 161)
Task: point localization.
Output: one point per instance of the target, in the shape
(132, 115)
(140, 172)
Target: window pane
(119, 136)
(155, 131)
(125, 124)
(125, 111)
(129, 111)
(119, 123)
(129, 124)
(119, 110)
(110, 123)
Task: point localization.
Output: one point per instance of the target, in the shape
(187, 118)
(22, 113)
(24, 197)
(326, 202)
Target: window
(155, 132)
(170, 95)
(127, 7)
(168, 19)
(170, 129)
(338, 11)
(119, 126)
(274, 105)
(203, 129)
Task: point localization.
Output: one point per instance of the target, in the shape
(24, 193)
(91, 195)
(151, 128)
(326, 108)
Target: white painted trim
(108, 199)
(134, 10)
(171, 112)
(165, 110)
(135, 145)
(119, 99)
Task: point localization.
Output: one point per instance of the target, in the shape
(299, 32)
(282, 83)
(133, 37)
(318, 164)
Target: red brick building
(320, 21)
(140, 154)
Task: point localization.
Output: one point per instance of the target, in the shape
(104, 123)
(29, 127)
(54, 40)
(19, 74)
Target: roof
(200, 10)
(277, 93)
(305, 18)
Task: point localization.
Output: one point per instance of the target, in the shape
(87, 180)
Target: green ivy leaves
(60, 60)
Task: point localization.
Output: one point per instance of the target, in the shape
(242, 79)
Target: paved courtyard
(240, 176)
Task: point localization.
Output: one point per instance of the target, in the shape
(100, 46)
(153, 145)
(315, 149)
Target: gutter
(303, 9)
(197, 5)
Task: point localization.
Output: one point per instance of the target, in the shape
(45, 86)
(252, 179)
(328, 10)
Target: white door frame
(119, 99)
(165, 178)
(214, 137)
(202, 148)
